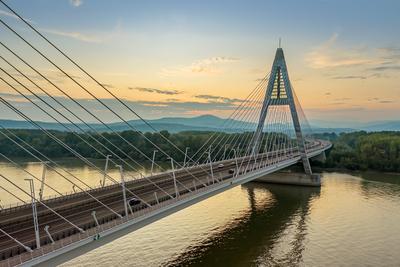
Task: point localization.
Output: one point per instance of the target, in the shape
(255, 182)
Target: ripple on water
(350, 221)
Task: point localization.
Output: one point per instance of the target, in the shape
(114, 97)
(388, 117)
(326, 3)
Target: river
(352, 220)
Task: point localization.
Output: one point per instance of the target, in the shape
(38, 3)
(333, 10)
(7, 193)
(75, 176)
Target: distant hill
(332, 130)
(200, 123)
(349, 126)
(381, 126)
(173, 125)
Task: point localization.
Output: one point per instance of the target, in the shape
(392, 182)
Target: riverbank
(378, 151)
(259, 224)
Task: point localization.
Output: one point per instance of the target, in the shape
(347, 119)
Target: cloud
(378, 75)
(98, 37)
(11, 15)
(215, 99)
(389, 60)
(343, 99)
(107, 85)
(150, 109)
(349, 77)
(257, 70)
(89, 38)
(379, 100)
(337, 103)
(328, 55)
(385, 68)
(332, 110)
(171, 107)
(157, 91)
(210, 65)
(364, 63)
(390, 53)
(76, 3)
(13, 97)
(30, 76)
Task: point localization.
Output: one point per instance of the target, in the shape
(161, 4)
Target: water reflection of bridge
(270, 133)
(253, 238)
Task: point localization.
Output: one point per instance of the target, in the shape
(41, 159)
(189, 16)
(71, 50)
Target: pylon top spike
(280, 39)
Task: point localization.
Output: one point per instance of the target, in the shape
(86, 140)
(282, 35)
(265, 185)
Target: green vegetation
(46, 145)
(52, 149)
(362, 151)
(355, 151)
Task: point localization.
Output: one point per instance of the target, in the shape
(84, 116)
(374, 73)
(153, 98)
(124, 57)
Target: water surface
(352, 220)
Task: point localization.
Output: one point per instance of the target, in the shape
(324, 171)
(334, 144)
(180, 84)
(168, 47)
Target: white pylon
(280, 91)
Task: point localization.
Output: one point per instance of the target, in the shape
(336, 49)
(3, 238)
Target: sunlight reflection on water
(349, 221)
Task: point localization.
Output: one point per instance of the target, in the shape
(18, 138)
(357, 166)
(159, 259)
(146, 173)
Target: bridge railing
(90, 233)
(8, 208)
(99, 230)
(95, 232)
(72, 194)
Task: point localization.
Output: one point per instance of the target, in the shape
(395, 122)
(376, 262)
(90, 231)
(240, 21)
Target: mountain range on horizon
(203, 123)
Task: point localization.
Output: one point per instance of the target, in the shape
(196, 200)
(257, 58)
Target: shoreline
(295, 168)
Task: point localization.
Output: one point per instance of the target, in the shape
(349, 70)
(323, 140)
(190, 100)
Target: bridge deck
(77, 207)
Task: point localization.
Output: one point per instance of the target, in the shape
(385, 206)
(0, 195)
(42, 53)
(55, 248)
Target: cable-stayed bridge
(267, 132)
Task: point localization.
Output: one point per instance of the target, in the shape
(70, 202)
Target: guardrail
(94, 232)
(97, 231)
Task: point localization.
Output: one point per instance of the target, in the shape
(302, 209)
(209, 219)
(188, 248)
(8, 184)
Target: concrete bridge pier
(321, 157)
(292, 178)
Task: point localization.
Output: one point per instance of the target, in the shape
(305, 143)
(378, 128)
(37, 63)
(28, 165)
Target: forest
(364, 151)
(125, 144)
(354, 151)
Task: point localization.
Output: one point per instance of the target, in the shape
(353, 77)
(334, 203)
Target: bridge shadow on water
(253, 239)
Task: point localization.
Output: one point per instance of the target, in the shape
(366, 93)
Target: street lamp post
(211, 168)
(237, 167)
(46, 229)
(43, 179)
(123, 188)
(95, 218)
(34, 212)
(174, 177)
(106, 169)
(152, 162)
(184, 160)
(224, 155)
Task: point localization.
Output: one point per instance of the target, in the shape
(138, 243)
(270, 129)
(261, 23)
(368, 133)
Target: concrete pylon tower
(279, 92)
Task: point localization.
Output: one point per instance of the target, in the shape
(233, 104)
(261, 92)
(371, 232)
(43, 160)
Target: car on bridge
(134, 201)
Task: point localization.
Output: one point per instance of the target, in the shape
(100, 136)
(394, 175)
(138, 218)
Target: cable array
(243, 144)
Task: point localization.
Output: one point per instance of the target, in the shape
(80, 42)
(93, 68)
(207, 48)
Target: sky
(187, 58)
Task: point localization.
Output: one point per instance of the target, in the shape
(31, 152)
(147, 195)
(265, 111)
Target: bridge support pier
(321, 157)
(279, 92)
(292, 178)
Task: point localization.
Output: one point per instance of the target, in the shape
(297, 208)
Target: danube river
(352, 220)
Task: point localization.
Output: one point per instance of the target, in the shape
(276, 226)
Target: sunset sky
(186, 58)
